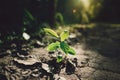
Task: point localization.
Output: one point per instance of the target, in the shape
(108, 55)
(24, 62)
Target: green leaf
(29, 15)
(51, 32)
(59, 58)
(53, 46)
(64, 46)
(71, 51)
(64, 35)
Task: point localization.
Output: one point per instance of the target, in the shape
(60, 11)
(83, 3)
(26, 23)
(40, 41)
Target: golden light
(86, 3)
(74, 11)
(84, 10)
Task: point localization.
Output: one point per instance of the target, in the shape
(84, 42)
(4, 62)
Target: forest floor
(97, 57)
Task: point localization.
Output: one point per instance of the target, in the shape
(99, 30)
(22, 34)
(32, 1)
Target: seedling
(60, 43)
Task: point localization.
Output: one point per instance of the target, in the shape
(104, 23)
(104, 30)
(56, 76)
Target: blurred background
(97, 20)
(15, 15)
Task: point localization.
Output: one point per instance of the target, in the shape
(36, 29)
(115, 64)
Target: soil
(97, 57)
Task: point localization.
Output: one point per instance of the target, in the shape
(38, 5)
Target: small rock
(26, 72)
(26, 36)
(20, 56)
(38, 44)
(45, 67)
(72, 35)
(29, 61)
(35, 73)
(8, 52)
(13, 45)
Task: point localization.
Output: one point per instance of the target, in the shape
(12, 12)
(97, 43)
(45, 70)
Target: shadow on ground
(104, 42)
(105, 38)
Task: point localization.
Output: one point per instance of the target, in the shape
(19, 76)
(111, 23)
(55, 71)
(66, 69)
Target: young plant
(60, 43)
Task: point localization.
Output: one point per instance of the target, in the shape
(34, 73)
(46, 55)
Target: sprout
(60, 44)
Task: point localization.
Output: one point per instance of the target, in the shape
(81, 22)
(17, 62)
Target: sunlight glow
(74, 11)
(86, 3)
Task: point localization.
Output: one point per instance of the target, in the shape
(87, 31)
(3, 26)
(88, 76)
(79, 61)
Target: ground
(97, 57)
